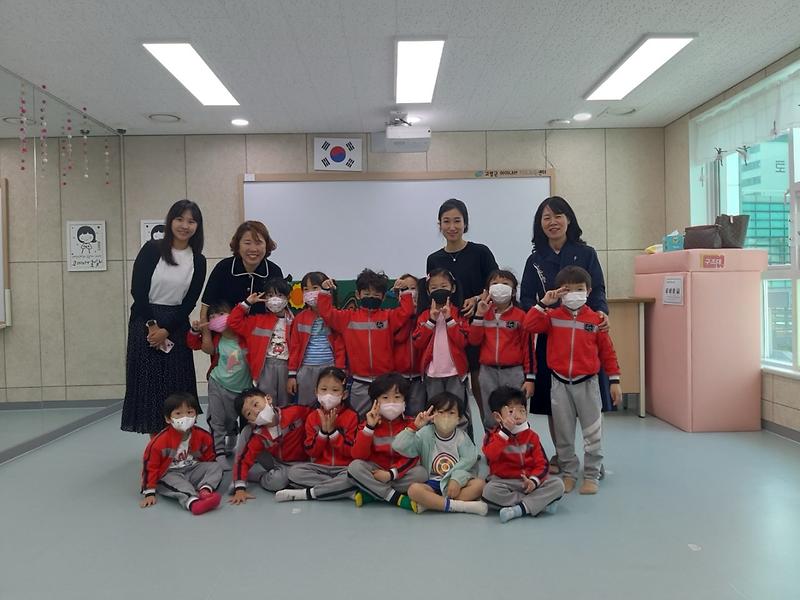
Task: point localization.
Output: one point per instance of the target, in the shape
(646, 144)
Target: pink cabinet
(703, 337)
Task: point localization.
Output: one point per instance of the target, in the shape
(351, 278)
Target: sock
(289, 495)
(407, 503)
(475, 507)
(512, 512)
(363, 498)
(203, 505)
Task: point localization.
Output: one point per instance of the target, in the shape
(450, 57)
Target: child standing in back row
(576, 349)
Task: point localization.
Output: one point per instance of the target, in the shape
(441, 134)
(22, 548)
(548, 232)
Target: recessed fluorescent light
(191, 70)
(240, 122)
(582, 117)
(649, 56)
(417, 69)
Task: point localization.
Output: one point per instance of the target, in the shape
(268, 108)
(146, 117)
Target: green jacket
(422, 443)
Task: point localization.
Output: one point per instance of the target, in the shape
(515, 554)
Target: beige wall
(780, 395)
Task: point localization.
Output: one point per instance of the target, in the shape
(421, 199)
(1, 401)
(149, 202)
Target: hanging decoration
(63, 161)
(23, 128)
(742, 151)
(719, 157)
(69, 141)
(43, 131)
(85, 143)
(107, 160)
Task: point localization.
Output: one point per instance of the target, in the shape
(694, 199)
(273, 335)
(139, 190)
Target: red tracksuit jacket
(406, 357)
(257, 332)
(575, 345)
(286, 447)
(368, 334)
(194, 340)
(457, 334)
(334, 450)
(512, 456)
(161, 450)
(375, 445)
(503, 342)
(301, 333)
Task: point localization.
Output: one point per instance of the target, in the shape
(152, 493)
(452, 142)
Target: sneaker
(569, 484)
(205, 504)
(362, 498)
(589, 487)
(555, 468)
(204, 493)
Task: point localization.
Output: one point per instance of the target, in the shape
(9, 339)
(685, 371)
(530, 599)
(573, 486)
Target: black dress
(539, 276)
(150, 374)
(471, 267)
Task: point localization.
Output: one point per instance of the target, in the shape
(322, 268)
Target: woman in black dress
(557, 244)
(168, 275)
(469, 262)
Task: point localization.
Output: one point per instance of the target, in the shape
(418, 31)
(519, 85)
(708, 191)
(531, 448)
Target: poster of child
(86, 245)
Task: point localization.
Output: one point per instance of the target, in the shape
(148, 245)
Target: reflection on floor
(694, 516)
(17, 426)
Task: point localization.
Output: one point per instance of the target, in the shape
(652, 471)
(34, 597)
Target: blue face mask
(370, 303)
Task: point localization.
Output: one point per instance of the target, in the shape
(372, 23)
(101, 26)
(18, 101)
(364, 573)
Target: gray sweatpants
(307, 383)
(221, 417)
(499, 493)
(359, 398)
(269, 473)
(184, 483)
(417, 397)
(360, 473)
(581, 400)
(491, 378)
(326, 482)
(272, 380)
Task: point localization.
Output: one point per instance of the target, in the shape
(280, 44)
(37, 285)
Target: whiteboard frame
(392, 176)
(6, 291)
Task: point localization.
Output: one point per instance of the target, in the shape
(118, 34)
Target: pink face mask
(218, 324)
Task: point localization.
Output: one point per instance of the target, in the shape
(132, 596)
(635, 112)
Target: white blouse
(169, 283)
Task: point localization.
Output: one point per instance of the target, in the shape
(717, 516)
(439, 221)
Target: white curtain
(748, 118)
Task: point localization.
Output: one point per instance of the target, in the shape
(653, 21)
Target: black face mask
(370, 303)
(440, 296)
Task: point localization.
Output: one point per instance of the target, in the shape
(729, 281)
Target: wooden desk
(627, 333)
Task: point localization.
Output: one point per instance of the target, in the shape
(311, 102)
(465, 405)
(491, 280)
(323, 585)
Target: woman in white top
(168, 276)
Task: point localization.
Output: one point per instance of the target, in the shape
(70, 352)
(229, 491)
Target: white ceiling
(327, 65)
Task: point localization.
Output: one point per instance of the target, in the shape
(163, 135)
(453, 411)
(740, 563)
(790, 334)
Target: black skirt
(152, 375)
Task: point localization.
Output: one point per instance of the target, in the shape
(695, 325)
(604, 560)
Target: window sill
(781, 372)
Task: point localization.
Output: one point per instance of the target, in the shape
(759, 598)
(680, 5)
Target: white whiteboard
(341, 227)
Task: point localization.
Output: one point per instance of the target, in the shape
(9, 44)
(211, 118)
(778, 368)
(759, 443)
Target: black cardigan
(143, 267)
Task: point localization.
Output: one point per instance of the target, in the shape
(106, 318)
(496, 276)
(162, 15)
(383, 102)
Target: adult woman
(557, 243)
(168, 275)
(236, 277)
(469, 262)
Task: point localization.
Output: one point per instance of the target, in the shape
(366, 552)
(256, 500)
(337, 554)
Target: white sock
(475, 507)
(289, 495)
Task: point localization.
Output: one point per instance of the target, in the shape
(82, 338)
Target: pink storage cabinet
(703, 358)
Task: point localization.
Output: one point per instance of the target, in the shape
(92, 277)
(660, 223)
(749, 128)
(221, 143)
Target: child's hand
(329, 284)
(453, 489)
(507, 422)
(553, 296)
(291, 386)
(423, 418)
(528, 484)
(240, 497)
(434, 311)
(327, 420)
(199, 325)
(147, 501)
(483, 305)
(256, 297)
(528, 387)
(404, 284)
(616, 394)
(382, 476)
(445, 311)
(373, 416)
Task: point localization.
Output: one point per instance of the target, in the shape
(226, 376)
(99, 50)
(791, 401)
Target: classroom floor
(17, 426)
(679, 516)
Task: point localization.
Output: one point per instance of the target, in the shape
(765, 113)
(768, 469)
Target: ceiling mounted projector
(400, 136)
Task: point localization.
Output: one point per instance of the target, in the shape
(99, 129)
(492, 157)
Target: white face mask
(266, 416)
(310, 298)
(520, 428)
(574, 300)
(276, 304)
(184, 423)
(500, 292)
(391, 410)
(329, 401)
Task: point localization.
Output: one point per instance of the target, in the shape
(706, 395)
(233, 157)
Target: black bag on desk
(702, 236)
(733, 230)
